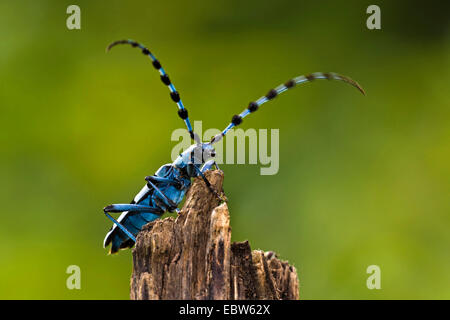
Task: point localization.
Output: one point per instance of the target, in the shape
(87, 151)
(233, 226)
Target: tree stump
(192, 257)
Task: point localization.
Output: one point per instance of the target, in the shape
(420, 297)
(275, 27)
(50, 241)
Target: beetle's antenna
(182, 111)
(196, 138)
(253, 106)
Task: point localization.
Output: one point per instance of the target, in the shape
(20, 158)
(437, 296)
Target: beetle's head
(199, 153)
(208, 151)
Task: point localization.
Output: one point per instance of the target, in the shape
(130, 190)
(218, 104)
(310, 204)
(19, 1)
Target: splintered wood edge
(233, 270)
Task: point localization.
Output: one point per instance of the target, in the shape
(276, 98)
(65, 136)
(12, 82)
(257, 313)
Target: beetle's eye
(213, 154)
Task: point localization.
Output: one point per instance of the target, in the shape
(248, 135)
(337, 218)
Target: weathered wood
(192, 257)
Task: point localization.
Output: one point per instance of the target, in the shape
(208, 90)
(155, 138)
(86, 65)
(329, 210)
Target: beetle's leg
(156, 179)
(200, 173)
(132, 207)
(121, 227)
(128, 207)
(172, 205)
(208, 165)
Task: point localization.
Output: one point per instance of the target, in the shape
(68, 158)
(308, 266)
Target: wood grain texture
(192, 257)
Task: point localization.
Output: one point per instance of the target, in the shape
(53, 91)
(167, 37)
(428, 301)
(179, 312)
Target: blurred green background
(362, 180)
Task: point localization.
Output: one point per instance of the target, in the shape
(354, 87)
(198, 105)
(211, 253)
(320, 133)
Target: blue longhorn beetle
(166, 189)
